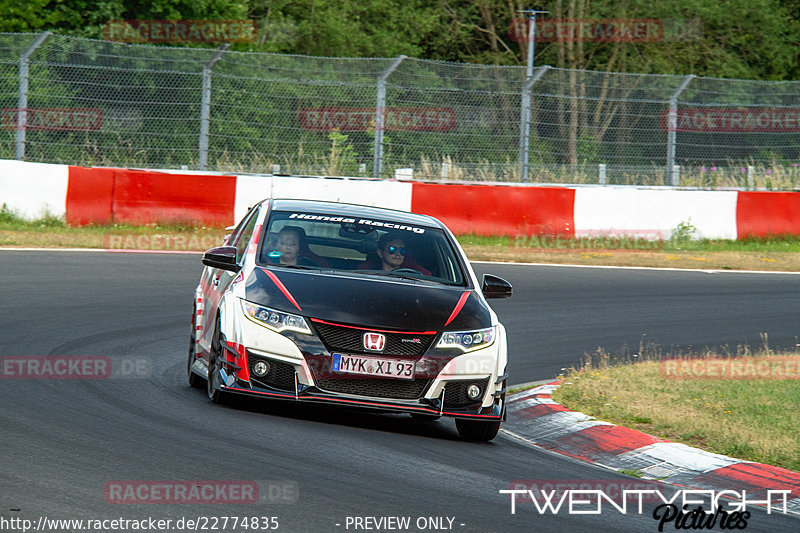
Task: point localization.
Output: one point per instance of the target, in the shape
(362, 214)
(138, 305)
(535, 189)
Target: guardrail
(113, 195)
(89, 102)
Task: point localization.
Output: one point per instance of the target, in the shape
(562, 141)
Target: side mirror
(223, 257)
(494, 287)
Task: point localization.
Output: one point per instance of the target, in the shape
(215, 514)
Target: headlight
(276, 320)
(467, 340)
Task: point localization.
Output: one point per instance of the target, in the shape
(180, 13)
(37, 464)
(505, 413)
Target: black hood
(373, 301)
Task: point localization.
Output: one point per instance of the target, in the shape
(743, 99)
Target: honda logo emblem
(374, 342)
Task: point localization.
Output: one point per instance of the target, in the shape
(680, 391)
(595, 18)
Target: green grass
(49, 230)
(772, 243)
(11, 220)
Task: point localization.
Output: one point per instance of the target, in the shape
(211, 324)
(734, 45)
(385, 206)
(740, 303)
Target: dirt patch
(785, 261)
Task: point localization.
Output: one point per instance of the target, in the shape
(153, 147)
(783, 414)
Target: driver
(391, 251)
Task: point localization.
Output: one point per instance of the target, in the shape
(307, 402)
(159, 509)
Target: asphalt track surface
(64, 441)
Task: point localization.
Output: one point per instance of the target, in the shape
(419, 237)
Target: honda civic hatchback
(334, 303)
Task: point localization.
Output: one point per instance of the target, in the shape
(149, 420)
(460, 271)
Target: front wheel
(215, 394)
(477, 430)
(195, 381)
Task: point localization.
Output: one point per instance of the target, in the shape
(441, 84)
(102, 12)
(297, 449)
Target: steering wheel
(407, 270)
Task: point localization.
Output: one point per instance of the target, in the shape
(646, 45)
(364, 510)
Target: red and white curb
(535, 418)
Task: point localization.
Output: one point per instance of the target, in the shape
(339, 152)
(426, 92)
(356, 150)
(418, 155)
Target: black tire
(477, 430)
(212, 388)
(195, 381)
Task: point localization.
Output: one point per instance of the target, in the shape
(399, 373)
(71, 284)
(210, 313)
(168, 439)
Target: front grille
(398, 389)
(280, 375)
(349, 339)
(455, 393)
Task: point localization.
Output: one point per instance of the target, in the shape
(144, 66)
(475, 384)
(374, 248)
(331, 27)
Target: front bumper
(438, 397)
(300, 370)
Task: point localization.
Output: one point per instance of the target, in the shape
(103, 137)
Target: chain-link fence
(88, 102)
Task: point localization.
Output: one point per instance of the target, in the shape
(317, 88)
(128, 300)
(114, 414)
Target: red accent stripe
(241, 352)
(317, 320)
(282, 287)
(459, 306)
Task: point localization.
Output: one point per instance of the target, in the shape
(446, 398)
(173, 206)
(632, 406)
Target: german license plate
(373, 366)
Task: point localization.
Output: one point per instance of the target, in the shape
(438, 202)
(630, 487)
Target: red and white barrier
(105, 195)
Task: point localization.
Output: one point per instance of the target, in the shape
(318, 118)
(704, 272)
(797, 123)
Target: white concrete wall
(391, 194)
(34, 189)
(654, 213)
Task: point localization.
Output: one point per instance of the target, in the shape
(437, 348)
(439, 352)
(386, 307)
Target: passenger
(292, 248)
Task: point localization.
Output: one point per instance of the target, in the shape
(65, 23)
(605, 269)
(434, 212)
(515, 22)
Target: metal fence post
(525, 123)
(672, 130)
(22, 101)
(205, 105)
(380, 117)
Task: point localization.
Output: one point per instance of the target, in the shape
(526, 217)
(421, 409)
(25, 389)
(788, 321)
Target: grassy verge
(776, 253)
(51, 231)
(771, 253)
(735, 406)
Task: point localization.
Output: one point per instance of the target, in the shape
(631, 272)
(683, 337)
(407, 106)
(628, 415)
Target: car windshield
(358, 246)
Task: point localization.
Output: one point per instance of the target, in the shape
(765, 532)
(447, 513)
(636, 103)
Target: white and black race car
(343, 304)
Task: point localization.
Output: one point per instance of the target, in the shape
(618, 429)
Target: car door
(216, 281)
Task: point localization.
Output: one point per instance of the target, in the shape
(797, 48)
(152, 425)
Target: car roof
(353, 210)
